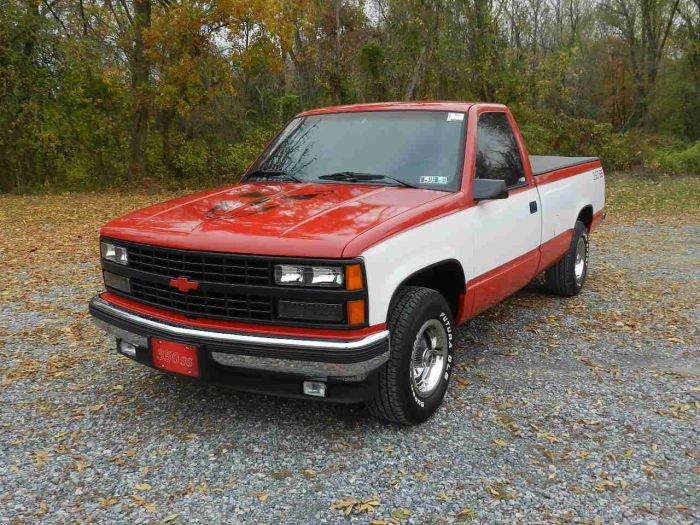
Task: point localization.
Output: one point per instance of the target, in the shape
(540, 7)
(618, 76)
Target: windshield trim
(300, 116)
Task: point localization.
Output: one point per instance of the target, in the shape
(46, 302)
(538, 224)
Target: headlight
(111, 252)
(289, 274)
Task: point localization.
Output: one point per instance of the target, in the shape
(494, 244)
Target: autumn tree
(96, 93)
(645, 27)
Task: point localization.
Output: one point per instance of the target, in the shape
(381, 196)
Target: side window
(497, 152)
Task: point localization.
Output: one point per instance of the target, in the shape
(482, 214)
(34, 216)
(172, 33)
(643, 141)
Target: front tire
(413, 382)
(568, 276)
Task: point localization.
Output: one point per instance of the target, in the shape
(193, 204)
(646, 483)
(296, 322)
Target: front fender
(389, 263)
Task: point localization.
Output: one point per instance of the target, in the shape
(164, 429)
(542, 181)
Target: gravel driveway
(562, 410)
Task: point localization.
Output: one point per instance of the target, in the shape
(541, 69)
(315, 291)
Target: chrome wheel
(581, 260)
(429, 357)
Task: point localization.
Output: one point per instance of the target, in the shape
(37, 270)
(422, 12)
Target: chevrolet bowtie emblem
(184, 284)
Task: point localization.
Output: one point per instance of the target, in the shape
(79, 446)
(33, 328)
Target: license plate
(175, 357)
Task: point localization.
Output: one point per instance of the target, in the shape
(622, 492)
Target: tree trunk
(140, 76)
(301, 65)
(417, 71)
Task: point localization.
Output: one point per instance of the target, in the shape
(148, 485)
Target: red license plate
(175, 357)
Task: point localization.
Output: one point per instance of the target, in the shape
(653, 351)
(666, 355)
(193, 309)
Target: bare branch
(126, 10)
(56, 17)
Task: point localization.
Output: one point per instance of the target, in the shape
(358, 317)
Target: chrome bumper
(351, 359)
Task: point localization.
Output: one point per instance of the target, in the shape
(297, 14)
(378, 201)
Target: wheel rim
(429, 357)
(580, 265)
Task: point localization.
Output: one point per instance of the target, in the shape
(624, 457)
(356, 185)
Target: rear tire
(568, 276)
(413, 382)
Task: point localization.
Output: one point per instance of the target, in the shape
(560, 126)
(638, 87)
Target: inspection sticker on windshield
(432, 179)
(455, 117)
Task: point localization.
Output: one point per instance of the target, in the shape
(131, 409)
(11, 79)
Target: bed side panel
(564, 195)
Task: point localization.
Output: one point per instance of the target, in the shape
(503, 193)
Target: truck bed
(542, 164)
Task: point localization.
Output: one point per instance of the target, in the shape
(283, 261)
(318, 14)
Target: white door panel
(506, 230)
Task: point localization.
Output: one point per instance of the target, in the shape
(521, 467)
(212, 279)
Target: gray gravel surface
(562, 410)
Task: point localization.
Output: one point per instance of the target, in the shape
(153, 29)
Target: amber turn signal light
(353, 277)
(356, 312)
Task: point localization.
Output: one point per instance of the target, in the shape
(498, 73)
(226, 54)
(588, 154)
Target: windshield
(417, 148)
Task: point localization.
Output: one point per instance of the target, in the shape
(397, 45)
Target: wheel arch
(445, 277)
(586, 216)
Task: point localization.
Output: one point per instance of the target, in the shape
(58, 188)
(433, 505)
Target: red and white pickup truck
(340, 265)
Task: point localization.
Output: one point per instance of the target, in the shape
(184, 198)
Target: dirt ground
(581, 410)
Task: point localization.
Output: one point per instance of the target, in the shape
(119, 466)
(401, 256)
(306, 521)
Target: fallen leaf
(549, 437)
(108, 501)
(498, 490)
(43, 509)
(350, 504)
(262, 496)
(466, 515)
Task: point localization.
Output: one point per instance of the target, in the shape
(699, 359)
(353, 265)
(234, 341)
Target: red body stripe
(563, 173)
(597, 219)
(461, 107)
(554, 249)
(497, 284)
(241, 327)
(434, 210)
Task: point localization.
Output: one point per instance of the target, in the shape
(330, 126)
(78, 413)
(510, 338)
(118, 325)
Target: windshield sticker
(432, 179)
(455, 117)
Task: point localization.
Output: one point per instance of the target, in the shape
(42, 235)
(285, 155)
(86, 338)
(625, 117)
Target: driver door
(508, 231)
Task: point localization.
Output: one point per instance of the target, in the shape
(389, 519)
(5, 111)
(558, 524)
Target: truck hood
(298, 220)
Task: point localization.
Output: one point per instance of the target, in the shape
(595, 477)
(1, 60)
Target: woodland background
(132, 93)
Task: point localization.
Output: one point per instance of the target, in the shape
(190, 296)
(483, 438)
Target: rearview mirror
(484, 189)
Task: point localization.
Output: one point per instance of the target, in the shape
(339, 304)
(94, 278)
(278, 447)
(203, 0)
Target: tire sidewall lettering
(586, 255)
(445, 320)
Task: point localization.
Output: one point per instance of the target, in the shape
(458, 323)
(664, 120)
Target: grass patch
(635, 196)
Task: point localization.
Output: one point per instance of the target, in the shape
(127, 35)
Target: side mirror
(484, 189)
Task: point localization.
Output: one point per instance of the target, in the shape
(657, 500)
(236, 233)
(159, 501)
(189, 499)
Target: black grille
(210, 304)
(199, 266)
(232, 287)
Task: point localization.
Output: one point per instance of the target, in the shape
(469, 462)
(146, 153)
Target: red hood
(304, 220)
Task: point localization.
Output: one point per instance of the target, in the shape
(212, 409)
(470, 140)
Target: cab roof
(395, 106)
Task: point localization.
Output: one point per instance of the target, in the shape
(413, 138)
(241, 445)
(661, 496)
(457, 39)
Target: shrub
(686, 161)
(546, 133)
(240, 156)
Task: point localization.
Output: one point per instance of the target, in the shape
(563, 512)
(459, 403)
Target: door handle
(533, 207)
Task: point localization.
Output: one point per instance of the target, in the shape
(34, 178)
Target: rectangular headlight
(287, 274)
(295, 275)
(326, 276)
(114, 253)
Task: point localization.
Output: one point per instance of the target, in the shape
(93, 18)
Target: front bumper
(250, 362)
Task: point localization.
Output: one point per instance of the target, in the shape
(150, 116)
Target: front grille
(209, 304)
(200, 266)
(230, 287)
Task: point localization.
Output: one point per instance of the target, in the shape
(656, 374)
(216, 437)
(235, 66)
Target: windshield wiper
(279, 175)
(354, 176)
